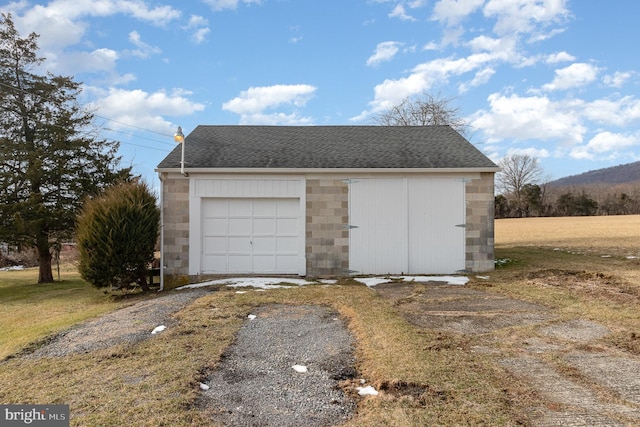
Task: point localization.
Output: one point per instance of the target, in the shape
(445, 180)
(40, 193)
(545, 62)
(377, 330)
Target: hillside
(620, 174)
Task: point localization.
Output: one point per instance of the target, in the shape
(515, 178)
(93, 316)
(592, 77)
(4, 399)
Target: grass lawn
(156, 381)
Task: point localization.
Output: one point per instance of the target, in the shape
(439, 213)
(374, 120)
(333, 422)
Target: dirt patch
(581, 379)
(595, 285)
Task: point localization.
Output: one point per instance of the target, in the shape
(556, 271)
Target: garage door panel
(241, 226)
(240, 207)
(264, 263)
(239, 245)
(287, 226)
(220, 209)
(264, 226)
(237, 263)
(263, 245)
(217, 263)
(286, 262)
(264, 207)
(216, 245)
(286, 244)
(285, 209)
(251, 236)
(215, 226)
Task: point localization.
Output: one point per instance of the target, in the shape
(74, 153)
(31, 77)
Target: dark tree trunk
(142, 281)
(45, 274)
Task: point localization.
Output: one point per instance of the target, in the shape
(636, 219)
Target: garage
(398, 225)
(250, 235)
(325, 201)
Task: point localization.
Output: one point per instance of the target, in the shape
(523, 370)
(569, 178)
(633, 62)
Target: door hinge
(349, 226)
(461, 225)
(349, 181)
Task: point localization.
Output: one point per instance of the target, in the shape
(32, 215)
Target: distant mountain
(621, 174)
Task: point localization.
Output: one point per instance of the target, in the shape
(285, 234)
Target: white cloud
(575, 75)
(385, 51)
(618, 112)
(61, 23)
(400, 13)
(451, 12)
(252, 103)
(528, 118)
(605, 144)
(557, 57)
(424, 76)
(199, 27)
(482, 77)
(97, 61)
(618, 79)
(525, 16)
(607, 141)
(218, 5)
(143, 50)
(143, 109)
(540, 153)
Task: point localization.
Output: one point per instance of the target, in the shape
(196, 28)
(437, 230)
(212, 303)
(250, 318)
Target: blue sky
(556, 79)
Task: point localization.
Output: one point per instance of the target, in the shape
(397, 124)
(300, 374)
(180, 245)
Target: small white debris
(483, 277)
(158, 329)
(367, 391)
(251, 316)
(632, 257)
(241, 292)
(362, 381)
(204, 386)
(605, 256)
(300, 368)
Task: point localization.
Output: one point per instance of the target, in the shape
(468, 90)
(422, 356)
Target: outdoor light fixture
(179, 138)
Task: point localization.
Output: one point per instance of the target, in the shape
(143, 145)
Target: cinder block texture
(327, 238)
(175, 206)
(480, 255)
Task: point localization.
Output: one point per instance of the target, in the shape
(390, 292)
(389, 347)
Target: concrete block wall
(327, 238)
(175, 207)
(480, 256)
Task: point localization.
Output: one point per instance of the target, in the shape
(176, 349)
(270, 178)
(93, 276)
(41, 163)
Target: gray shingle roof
(323, 147)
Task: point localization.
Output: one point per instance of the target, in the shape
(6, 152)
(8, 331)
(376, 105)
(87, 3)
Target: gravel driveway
(255, 384)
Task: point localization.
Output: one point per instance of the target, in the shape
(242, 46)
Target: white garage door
(250, 236)
(406, 225)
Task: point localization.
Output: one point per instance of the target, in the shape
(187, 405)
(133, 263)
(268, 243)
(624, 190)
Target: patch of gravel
(255, 383)
(130, 324)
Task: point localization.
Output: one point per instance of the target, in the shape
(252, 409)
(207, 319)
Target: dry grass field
(615, 235)
(576, 268)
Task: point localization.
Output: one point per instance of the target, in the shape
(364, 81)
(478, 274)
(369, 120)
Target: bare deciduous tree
(518, 171)
(423, 110)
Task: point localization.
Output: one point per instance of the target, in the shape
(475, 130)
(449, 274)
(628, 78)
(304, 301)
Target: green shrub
(116, 235)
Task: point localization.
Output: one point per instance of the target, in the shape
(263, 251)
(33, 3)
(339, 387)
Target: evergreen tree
(116, 234)
(50, 156)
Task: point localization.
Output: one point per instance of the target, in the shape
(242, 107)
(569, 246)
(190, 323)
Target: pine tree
(50, 155)
(116, 235)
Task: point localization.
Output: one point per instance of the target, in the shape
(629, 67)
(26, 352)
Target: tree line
(522, 192)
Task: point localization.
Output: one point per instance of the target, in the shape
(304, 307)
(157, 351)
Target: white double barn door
(407, 225)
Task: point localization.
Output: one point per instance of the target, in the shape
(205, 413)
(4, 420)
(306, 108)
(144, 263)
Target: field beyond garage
(510, 348)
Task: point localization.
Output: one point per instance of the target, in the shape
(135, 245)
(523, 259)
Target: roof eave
(329, 170)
